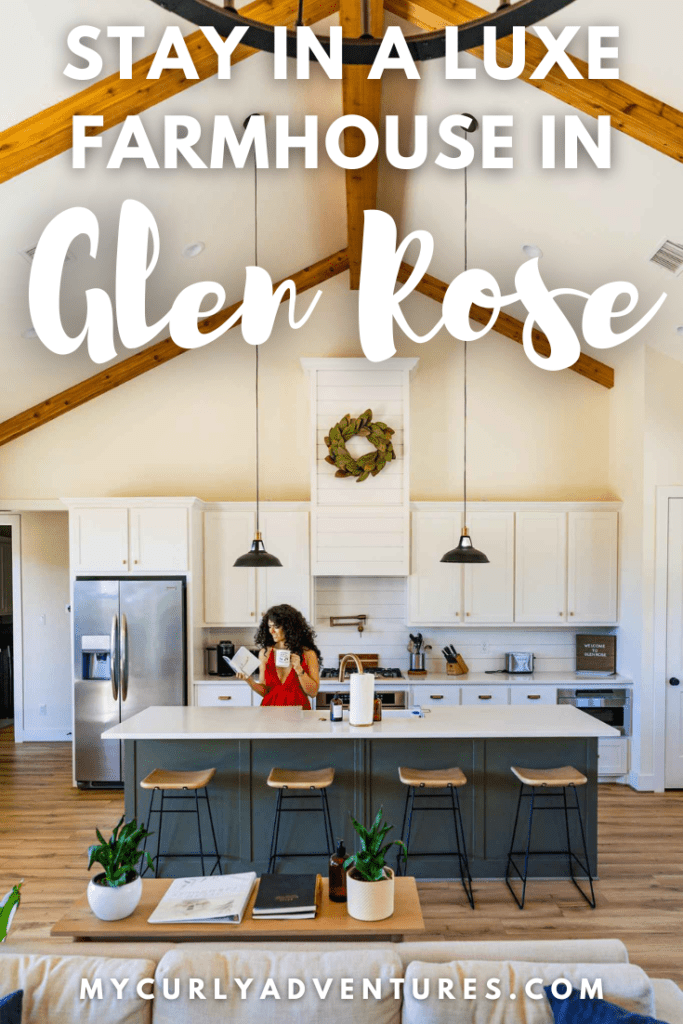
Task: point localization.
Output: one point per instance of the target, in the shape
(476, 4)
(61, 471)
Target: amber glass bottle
(337, 874)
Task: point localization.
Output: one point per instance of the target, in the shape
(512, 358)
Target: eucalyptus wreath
(378, 434)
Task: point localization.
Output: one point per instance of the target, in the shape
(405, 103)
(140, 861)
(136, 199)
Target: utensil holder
(457, 668)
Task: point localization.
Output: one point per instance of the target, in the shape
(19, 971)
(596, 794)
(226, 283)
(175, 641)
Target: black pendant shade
(465, 553)
(257, 557)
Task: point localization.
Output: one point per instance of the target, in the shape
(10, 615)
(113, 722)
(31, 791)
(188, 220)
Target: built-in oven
(397, 699)
(608, 704)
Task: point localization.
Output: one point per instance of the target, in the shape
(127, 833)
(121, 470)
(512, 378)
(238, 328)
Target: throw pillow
(574, 1010)
(10, 1007)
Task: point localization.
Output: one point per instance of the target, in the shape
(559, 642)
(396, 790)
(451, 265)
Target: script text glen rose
(379, 304)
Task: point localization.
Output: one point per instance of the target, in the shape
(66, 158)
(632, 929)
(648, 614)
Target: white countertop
(499, 722)
(564, 679)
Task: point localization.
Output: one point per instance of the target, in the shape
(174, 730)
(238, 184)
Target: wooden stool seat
(161, 778)
(286, 778)
(566, 776)
(437, 778)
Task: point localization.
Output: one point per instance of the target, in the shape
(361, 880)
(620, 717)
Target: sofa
(402, 983)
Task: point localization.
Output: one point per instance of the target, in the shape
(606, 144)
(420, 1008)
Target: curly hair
(299, 636)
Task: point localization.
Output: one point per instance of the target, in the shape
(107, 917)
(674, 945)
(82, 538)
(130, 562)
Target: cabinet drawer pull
(436, 696)
(485, 696)
(226, 698)
(533, 696)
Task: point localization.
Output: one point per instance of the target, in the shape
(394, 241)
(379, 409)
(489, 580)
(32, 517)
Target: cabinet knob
(124, 561)
(136, 561)
(571, 613)
(225, 698)
(251, 613)
(674, 682)
(560, 614)
(468, 613)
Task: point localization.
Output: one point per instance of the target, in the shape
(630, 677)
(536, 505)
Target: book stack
(221, 899)
(286, 898)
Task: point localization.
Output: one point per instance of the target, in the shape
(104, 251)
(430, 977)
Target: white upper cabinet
(99, 540)
(129, 539)
(490, 589)
(229, 593)
(592, 563)
(159, 539)
(541, 567)
(239, 597)
(434, 587)
(286, 534)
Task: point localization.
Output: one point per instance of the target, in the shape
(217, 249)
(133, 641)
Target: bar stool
(418, 780)
(549, 778)
(317, 781)
(167, 782)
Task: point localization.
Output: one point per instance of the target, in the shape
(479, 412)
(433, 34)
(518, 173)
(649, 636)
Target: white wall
(46, 645)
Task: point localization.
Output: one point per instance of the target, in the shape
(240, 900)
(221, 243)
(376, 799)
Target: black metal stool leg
(276, 830)
(512, 844)
(523, 877)
(143, 863)
(566, 826)
(586, 866)
(161, 818)
(213, 833)
(411, 790)
(199, 828)
(329, 833)
(463, 862)
(403, 836)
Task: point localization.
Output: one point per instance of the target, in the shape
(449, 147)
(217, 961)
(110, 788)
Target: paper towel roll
(361, 698)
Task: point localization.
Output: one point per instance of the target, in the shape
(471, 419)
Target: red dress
(283, 694)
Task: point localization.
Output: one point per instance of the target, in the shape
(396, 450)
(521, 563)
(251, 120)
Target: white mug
(282, 659)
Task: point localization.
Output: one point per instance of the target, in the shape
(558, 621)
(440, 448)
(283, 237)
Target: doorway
(11, 690)
(673, 767)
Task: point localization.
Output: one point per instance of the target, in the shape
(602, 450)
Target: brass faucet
(343, 662)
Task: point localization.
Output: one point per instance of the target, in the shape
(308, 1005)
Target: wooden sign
(596, 654)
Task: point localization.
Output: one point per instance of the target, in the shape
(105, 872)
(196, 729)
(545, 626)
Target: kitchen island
(243, 744)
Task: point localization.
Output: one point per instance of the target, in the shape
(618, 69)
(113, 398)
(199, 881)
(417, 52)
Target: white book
(220, 898)
(243, 661)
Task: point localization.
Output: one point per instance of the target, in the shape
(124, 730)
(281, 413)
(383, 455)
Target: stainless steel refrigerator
(129, 653)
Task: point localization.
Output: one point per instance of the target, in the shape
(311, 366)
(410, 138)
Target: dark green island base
(366, 778)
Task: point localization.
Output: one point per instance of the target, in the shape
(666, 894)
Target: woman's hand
(245, 679)
(295, 662)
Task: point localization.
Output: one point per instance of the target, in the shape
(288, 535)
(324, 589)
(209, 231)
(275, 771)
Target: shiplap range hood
(360, 529)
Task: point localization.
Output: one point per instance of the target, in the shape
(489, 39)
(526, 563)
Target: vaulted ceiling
(593, 226)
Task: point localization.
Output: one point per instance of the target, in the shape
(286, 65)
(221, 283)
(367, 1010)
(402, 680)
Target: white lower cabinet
(533, 695)
(613, 756)
(472, 695)
(436, 696)
(225, 695)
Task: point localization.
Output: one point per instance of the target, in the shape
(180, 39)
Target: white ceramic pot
(113, 904)
(370, 901)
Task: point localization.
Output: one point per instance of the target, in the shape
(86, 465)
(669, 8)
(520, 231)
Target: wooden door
(490, 589)
(592, 582)
(434, 587)
(673, 772)
(541, 571)
(229, 593)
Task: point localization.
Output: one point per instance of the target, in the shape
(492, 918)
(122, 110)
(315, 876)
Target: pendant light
(257, 557)
(465, 553)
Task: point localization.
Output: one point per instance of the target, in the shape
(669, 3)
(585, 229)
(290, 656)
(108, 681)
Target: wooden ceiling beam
(47, 134)
(157, 354)
(361, 98)
(512, 328)
(632, 111)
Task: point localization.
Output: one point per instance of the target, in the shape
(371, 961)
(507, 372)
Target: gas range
(378, 673)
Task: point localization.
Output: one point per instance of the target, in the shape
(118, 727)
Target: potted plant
(369, 880)
(116, 891)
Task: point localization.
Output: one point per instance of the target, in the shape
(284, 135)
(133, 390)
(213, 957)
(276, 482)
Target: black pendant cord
(465, 374)
(258, 524)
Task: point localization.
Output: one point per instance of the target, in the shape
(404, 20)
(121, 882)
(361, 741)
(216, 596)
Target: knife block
(457, 668)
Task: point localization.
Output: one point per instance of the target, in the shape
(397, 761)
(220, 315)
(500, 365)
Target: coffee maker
(217, 665)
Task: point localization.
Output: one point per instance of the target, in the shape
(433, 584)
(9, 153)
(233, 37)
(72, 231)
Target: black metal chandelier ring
(363, 50)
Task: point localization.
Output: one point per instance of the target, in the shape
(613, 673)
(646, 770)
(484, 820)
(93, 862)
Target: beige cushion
(668, 1000)
(52, 988)
(566, 951)
(280, 967)
(624, 984)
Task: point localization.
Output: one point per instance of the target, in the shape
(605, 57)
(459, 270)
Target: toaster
(519, 662)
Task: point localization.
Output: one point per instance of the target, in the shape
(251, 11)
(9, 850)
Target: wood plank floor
(46, 827)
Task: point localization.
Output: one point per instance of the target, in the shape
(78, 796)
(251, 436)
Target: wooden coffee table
(331, 921)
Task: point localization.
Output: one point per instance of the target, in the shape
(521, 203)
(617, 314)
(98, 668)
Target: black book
(285, 896)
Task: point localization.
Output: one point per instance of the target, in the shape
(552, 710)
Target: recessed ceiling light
(30, 333)
(193, 249)
(532, 251)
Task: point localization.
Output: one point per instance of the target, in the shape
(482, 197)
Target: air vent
(669, 256)
(29, 253)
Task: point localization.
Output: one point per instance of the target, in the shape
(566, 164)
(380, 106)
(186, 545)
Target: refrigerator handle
(124, 656)
(113, 657)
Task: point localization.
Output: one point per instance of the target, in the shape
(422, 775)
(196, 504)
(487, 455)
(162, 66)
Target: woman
(283, 628)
